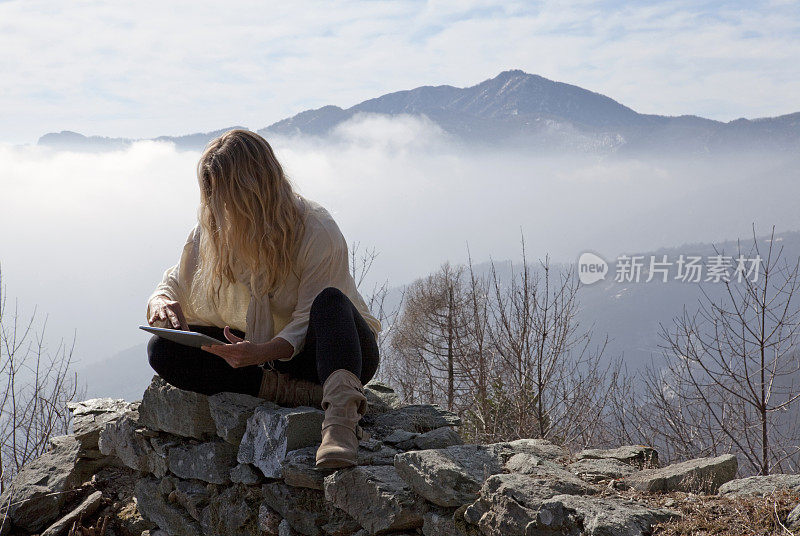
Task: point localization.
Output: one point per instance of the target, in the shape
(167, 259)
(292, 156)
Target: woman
(267, 270)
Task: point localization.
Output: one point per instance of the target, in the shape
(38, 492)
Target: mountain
(519, 109)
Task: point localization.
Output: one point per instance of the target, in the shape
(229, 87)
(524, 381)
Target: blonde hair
(250, 215)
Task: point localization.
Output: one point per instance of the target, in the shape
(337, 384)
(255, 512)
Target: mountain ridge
(518, 109)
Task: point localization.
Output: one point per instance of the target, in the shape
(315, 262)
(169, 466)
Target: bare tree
(35, 386)
(552, 378)
(728, 383)
(430, 334)
(360, 266)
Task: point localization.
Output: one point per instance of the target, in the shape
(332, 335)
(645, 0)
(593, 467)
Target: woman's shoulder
(318, 219)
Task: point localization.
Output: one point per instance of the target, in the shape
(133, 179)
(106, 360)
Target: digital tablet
(188, 338)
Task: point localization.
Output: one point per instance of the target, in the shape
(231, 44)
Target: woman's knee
(329, 297)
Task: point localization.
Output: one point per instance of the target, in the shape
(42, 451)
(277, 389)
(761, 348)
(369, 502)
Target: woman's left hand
(240, 353)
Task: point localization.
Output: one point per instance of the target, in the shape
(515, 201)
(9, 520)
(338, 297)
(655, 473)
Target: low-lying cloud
(87, 236)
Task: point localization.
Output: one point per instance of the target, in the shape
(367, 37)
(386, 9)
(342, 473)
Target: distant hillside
(629, 313)
(525, 111)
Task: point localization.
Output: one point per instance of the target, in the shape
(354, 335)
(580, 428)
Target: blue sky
(143, 69)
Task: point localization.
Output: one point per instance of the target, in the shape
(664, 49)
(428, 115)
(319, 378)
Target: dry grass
(706, 515)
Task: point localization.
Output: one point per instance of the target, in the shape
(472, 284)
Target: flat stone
(539, 447)
(38, 491)
(516, 505)
(453, 476)
(210, 462)
(380, 398)
(269, 520)
(245, 474)
(376, 497)
(299, 469)
(307, 511)
(125, 439)
(599, 469)
(234, 512)
(760, 485)
(271, 433)
(639, 456)
(440, 524)
(418, 418)
(438, 438)
(599, 517)
(230, 412)
(698, 475)
(192, 495)
(89, 418)
(151, 501)
(85, 509)
(169, 409)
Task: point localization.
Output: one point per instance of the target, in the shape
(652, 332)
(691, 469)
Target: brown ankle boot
(287, 391)
(344, 403)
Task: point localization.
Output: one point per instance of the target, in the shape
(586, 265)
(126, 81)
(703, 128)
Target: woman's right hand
(168, 311)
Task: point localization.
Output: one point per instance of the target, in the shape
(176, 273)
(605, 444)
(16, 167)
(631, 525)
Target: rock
(418, 418)
(639, 456)
(599, 517)
(210, 462)
(125, 439)
(701, 474)
(230, 412)
(380, 398)
(540, 447)
(90, 417)
(598, 469)
(453, 476)
(440, 524)
(193, 495)
(516, 505)
(438, 438)
(271, 433)
(88, 507)
(383, 456)
(285, 529)
(37, 491)
(169, 409)
(400, 436)
(793, 519)
(245, 474)
(234, 512)
(269, 520)
(760, 485)
(150, 499)
(307, 511)
(299, 469)
(376, 497)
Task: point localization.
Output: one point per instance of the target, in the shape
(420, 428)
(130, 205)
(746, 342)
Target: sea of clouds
(85, 237)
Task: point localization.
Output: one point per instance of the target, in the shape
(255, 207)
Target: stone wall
(231, 464)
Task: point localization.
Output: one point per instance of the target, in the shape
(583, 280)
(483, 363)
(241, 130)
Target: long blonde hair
(250, 215)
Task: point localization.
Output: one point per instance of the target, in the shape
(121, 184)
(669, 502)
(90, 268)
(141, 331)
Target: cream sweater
(322, 262)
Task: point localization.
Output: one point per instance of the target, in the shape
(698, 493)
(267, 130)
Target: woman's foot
(344, 403)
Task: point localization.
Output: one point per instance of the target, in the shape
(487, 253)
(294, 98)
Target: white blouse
(323, 261)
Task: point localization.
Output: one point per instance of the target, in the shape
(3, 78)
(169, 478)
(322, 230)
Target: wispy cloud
(149, 68)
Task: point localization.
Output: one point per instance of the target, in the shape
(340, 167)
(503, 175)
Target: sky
(149, 68)
(85, 237)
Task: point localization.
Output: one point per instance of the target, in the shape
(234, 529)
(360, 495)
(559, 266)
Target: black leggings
(337, 337)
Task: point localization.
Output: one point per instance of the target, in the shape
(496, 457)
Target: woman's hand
(169, 311)
(240, 353)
